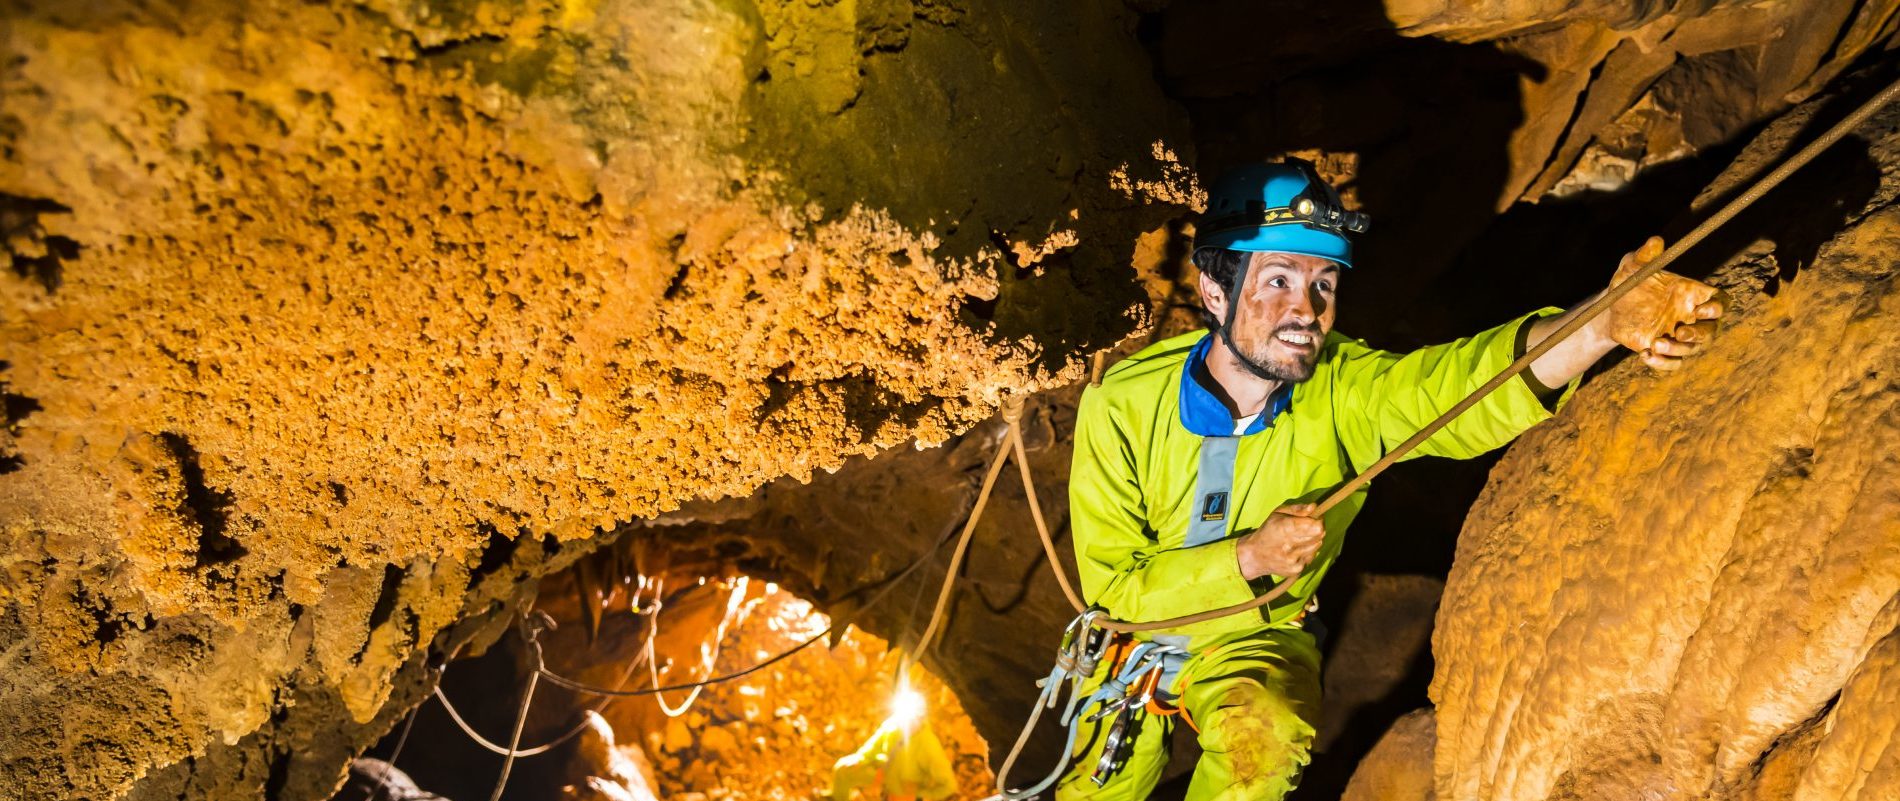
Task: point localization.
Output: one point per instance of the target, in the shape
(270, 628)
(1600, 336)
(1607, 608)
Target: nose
(1315, 302)
(1306, 309)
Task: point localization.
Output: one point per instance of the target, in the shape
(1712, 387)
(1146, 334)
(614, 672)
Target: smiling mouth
(1295, 339)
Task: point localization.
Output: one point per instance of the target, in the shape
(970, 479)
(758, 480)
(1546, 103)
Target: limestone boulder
(1399, 767)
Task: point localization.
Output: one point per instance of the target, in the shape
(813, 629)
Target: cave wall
(1688, 586)
(314, 311)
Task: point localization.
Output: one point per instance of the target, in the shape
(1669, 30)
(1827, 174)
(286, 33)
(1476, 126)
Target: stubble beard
(1290, 371)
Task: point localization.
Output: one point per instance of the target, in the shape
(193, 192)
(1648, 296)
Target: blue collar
(1204, 415)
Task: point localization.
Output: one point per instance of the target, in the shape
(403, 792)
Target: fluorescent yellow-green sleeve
(1381, 399)
(1123, 565)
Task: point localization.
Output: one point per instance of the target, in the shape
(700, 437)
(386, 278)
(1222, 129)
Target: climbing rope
(490, 746)
(541, 671)
(571, 733)
(532, 625)
(389, 765)
(532, 632)
(651, 613)
(1010, 442)
(1035, 514)
(645, 655)
(969, 529)
(887, 586)
(589, 689)
(709, 659)
(1012, 439)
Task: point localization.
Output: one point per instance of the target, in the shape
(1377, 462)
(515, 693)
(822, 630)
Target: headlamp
(1319, 205)
(1329, 216)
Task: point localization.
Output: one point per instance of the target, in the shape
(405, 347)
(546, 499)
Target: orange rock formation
(1689, 586)
(320, 303)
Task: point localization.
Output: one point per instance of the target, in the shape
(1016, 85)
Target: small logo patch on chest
(1214, 507)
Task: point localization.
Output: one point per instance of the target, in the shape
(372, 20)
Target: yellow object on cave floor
(903, 758)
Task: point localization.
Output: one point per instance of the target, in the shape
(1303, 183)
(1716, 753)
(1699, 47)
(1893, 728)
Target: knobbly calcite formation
(315, 310)
(1688, 585)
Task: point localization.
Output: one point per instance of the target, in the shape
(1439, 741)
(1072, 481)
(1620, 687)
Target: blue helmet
(1278, 208)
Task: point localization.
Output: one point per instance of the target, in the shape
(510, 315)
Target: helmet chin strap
(1225, 331)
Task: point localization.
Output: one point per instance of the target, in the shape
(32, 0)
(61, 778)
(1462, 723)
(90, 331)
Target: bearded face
(1285, 312)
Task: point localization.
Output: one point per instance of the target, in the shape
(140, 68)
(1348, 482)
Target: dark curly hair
(1221, 265)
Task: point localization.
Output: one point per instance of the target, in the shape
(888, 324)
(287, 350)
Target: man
(1198, 461)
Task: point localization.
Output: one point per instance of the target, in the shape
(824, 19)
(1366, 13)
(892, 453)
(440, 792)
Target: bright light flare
(907, 707)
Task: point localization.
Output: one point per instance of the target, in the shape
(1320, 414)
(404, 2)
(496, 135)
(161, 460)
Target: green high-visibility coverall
(1252, 684)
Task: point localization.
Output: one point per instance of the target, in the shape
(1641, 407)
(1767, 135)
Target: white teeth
(1294, 339)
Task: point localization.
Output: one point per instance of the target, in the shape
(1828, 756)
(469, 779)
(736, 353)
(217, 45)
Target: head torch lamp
(1319, 205)
(1327, 215)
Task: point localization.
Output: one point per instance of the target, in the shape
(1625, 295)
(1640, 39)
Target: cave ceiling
(331, 328)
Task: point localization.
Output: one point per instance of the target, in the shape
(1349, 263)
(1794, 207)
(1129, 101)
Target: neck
(1243, 392)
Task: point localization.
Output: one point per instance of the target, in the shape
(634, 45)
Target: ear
(1213, 297)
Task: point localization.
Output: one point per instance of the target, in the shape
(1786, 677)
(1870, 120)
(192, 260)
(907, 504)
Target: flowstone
(1688, 585)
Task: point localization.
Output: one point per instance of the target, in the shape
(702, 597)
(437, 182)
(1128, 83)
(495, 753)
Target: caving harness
(1141, 680)
(1142, 675)
(1137, 680)
(1138, 685)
